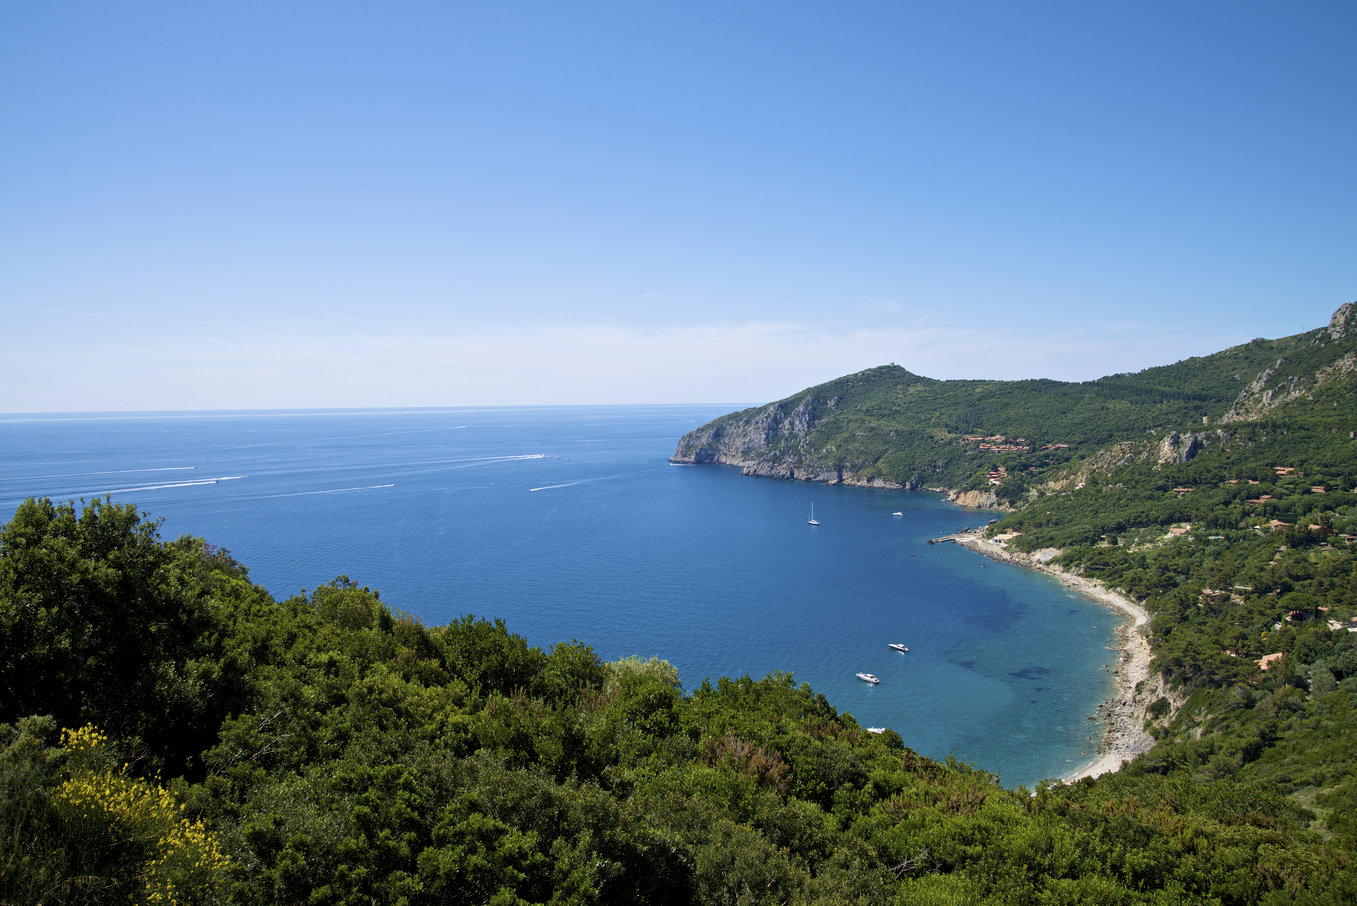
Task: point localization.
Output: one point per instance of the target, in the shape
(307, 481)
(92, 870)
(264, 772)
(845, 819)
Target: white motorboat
(868, 678)
(898, 647)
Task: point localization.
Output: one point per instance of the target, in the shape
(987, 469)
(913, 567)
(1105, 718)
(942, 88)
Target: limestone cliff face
(773, 441)
(1267, 391)
(767, 441)
(1179, 448)
(1285, 381)
(1342, 320)
(980, 500)
(1173, 448)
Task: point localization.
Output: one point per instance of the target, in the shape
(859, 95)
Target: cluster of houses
(998, 443)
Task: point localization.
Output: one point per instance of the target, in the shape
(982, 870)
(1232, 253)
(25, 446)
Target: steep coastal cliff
(776, 441)
(1001, 443)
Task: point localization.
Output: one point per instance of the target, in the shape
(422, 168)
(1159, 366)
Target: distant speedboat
(868, 678)
(898, 647)
(897, 514)
(812, 520)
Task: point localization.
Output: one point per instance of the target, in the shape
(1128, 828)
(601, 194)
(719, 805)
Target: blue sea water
(569, 523)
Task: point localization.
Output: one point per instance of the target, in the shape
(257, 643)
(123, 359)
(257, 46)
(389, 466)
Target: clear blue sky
(265, 205)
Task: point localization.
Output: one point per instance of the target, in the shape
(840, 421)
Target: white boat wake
(369, 487)
(468, 461)
(176, 484)
(515, 457)
(571, 484)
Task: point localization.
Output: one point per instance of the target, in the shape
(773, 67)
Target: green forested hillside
(173, 734)
(888, 424)
(1221, 492)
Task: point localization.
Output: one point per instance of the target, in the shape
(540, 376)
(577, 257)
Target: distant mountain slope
(1220, 492)
(888, 427)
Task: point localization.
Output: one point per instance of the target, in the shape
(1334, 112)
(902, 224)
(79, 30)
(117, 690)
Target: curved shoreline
(1123, 715)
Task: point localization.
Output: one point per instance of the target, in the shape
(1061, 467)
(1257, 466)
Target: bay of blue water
(569, 523)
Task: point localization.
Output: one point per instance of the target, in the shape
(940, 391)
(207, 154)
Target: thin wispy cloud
(565, 363)
(457, 209)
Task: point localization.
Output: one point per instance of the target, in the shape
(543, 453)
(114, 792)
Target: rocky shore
(1123, 715)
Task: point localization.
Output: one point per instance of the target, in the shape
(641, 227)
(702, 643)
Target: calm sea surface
(569, 523)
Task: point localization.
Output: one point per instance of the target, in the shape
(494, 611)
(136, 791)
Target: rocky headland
(778, 441)
(774, 441)
(1000, 445)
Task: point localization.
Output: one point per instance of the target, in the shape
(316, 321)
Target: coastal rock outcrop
(770, 441)
(775, 441)
(980, 500)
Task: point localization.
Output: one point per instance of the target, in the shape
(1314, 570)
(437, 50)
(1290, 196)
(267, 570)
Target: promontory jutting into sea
(771, 677)
(612, 525)
(570, 523)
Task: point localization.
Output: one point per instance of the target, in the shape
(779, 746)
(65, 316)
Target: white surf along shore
(1124, 714)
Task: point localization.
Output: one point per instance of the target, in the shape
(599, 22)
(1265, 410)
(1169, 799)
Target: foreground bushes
(327, 750)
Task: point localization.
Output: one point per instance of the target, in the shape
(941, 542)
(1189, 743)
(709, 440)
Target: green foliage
(101, 623)
(77, 828)
(324, 749)
(886, 423)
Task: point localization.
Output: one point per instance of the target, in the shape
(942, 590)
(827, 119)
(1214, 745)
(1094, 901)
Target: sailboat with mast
(812, 520)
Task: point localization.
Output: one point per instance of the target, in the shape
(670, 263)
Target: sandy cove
(1124, 715)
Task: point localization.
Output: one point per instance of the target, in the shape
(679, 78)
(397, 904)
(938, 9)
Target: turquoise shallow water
(569, 523)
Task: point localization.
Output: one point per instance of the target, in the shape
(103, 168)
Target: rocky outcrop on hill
(1267, 391)
(980, 500)
(1179, 448)
(773, 441)
(1285, 382)
(1342, 318)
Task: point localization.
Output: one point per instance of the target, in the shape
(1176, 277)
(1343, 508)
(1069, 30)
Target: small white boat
(897, 514)
(812, 520)
(868, 678)
(898, 647)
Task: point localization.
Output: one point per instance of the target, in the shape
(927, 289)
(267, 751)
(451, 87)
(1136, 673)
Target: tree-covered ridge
(886, 424)
(325, 749)
(1221, 492)
(1243, 545)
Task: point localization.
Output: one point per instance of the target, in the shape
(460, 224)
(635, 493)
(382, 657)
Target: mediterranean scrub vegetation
(170, 733)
